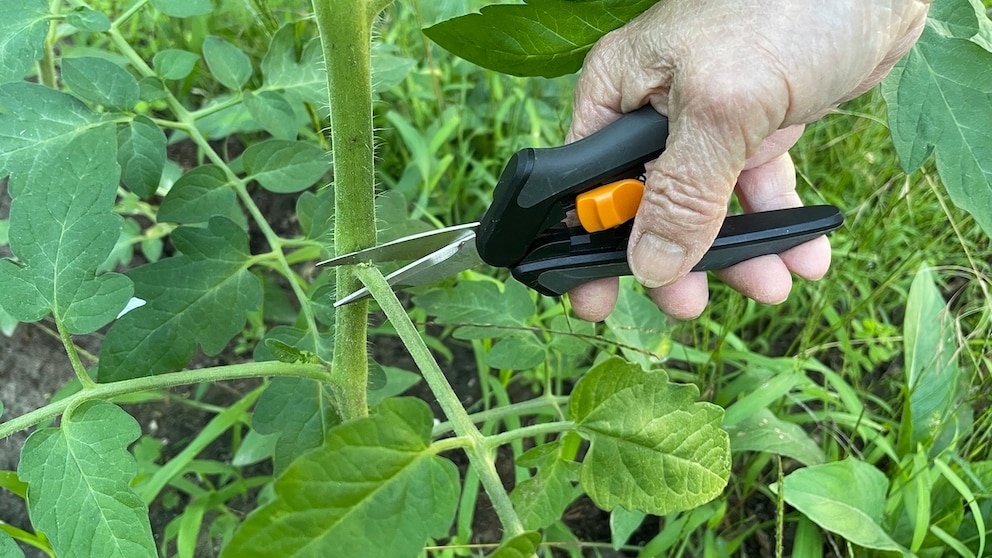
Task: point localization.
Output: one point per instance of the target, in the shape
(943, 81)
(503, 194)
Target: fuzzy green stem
(345, 28)
(478, 448)
(77, 364)
(107, 391)
(46, 66)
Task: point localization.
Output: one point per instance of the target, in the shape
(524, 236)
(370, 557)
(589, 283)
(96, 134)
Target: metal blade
(449, 260)
(411, 247)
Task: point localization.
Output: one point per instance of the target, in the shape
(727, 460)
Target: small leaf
(372, 475)
(653, 448)
(541, 500)
(517, 352)
(480, 308)
(763, 431)
(623, 523)
(273, 112)
(548, 38)
(151, 89)
(284, 352)
(100, 81)
(285, 167)
(227, 63)
(23, 29)
(88, 19)
(846, 497)
(200, 296)
(8, 547)
(300, 78)
(174, 63)
(197, 196)
(315, 212)
(397, 382)
(523, 545)
(62, 227)
(141, 155)
(79, 484)
(183, 8)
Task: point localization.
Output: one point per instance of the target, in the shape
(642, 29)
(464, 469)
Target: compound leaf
(141, 155)
(373, 489)
(846, 497)
(938, 98)
(480, 308)
(284, 166)
(79, 490)
(23, 28)
(200, 296)
(197, 196)
(183, 8)
(653, 448)
(62, 228)
(100, 81)
(227, 63)
(546, 38)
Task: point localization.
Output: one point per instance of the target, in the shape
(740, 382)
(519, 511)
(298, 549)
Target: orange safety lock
(608, 206)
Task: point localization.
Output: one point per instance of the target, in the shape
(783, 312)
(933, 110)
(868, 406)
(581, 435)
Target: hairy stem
(478, 448)
(107, 391)
(77, 364)
(345, 28)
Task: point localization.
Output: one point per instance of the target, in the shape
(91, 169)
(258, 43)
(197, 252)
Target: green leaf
(546, 38)
(300, 77)
(763, 431)
(227, 63)
(8, 547)
(846, 497)
(273, 112)
(517, 352)
(23, 29)
(100, 81)
(197, 196)
(183, 8)
(623, 523)
(397, 382)
(541, 500)
(374, 475)
(938, 97)
(639, 326)
(200, 296)
(932, 374)
(653, 448)
(79, 490)
(4, 232)
(315, 212)
(480, 309)
(151, 89)
(962, 20)
(285, 167)
(174, 63)
(62, 227)
(141, 155)
(523, 545)
(88, 19)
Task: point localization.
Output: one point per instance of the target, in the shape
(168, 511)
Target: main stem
(345, 28)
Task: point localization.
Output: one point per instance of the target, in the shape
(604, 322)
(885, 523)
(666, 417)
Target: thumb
(686, 195)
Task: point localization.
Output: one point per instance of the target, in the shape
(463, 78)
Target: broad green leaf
(141, 155)
(227, 63)
(516, 352)
(197, 196)
(374, 488)
(962, 19)
(100, 81)
(640, 327)
(273, 112)
(285, 167)
(480, 309)
(88, 19)
(653, 448)
(301, 78)
(623, 523)
(523, 545)
(183, 8)
(315, 212)
(23, 28)
(255, 448)
(546, 38)
(62, 227)
(932, 374)
(541, 500)
(763, 431)
(846, 497)
(938, 97)
(200, 296)
(79, 490)
(174, 63)
(8, 547)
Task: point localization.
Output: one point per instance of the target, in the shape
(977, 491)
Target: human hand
(738, 80)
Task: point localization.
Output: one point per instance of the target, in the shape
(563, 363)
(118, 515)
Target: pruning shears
(599, 179)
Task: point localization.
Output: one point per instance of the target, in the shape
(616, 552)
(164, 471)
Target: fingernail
(656, 261)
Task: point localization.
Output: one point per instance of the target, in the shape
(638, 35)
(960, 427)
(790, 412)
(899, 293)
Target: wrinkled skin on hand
(738, 80)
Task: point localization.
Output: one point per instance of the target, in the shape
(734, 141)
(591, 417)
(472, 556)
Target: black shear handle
(559, 263)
